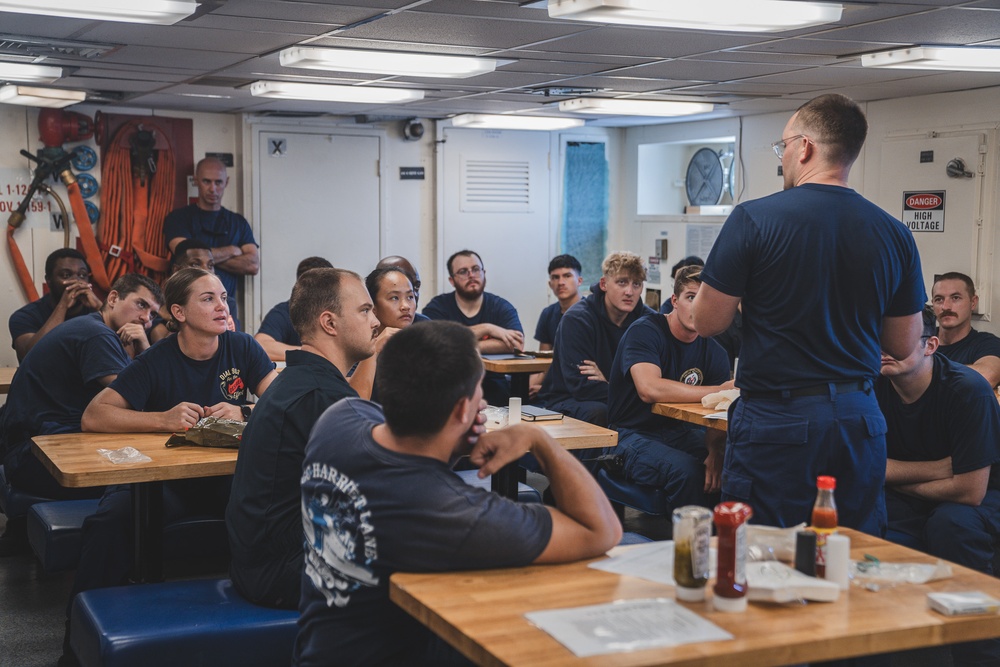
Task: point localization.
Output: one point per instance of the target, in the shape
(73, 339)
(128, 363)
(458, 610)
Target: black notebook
(530, 413)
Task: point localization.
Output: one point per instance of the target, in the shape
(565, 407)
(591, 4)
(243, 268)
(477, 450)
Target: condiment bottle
(824, 519)
(731, 575)
(692, 532)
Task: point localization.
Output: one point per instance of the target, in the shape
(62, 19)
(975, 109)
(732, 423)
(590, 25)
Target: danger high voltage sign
(923, 211)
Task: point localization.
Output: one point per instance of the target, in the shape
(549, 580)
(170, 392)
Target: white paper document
(626, 625)
(653, 561)
(724, 416)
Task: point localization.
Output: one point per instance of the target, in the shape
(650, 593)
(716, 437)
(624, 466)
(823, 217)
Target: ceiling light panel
(163, 12)
(503, 122)
(727, 15)
(392, 63)
(957, 58)
(332, 93)
(588, 105)
(30, 96)
(29, 73)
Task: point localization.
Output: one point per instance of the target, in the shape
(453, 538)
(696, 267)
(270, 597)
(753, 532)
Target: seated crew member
(227, 233)
(493, 320)
(395, 308)
(691, 260)
(732, 338)
(187, 254)
(564, 281)
(943, 445)
(56, 381)
(204, 370)
(411, 273)
(67, 275)
(954, 298)
(277, 334)
(378, 497)
(587, 340)
(662, 359)
(333, 313)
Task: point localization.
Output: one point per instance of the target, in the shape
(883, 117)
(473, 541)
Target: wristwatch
(246, 410)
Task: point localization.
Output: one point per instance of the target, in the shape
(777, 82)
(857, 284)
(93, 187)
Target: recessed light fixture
(393, 63)
(332, 93)
(504, 122)
(728, 15)
(164, 12)
(29, 73)
(960, 58)
(31, 96)
(613, 107)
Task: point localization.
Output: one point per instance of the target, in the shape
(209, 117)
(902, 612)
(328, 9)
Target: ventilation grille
(502, 186)
(23, 48)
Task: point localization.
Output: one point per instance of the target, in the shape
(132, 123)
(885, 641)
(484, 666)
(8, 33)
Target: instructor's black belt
(814, 390)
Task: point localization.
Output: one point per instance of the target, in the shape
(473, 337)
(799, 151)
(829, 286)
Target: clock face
(705, 178)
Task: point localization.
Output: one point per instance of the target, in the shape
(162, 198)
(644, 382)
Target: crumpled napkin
(720, 400)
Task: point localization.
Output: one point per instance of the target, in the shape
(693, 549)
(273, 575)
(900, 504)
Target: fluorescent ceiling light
(29, 96)
(963, 58)
(29, 73)
(594, 105)
(386, 62)
(731, 15)
(502, 122)
(164, 12)
(330, 93)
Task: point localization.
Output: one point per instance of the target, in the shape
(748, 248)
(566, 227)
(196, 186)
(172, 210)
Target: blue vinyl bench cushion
(201, 622)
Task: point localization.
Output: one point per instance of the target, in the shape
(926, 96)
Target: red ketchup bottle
(731, 577)
(824, 519)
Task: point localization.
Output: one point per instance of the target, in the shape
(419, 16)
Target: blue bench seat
(192, 623)
(54, 532)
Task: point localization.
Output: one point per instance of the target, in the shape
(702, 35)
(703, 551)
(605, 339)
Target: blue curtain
(585, 207)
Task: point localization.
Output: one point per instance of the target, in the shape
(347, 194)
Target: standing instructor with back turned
(826, 278)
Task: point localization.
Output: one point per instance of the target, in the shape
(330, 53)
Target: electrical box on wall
(933, 181)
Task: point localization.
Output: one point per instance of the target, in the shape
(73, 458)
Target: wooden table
(520, 371)
(73, 461)
(482, 615)
(568, 432)
(6, 377)
(693, 413)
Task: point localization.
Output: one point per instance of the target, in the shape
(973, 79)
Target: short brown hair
(621, 262)
(316, 291)
(686, 275)
(838, 123)
(955, 275)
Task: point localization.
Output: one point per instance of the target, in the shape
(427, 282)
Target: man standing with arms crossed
(826, 277)
(227, 233)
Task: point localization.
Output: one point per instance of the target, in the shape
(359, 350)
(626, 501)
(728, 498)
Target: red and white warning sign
(923, 211)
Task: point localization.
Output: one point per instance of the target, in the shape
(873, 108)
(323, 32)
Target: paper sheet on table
(724, 416)
(626, 625)
(653, 561)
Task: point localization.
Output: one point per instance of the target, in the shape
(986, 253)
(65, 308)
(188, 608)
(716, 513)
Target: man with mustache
(954, 298)
(492, 319)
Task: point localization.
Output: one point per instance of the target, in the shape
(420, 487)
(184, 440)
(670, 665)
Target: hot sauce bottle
(824, 519)
(731, 576)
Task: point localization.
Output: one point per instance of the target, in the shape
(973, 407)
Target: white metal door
(319, 195)
(953, 237)
(495, 201)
